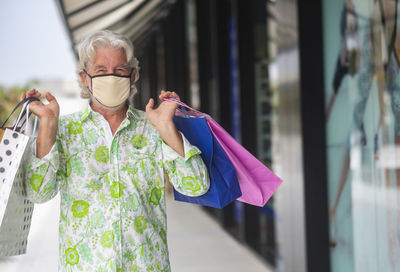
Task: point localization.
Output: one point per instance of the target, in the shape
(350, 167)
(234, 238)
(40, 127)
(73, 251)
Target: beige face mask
(111, 90)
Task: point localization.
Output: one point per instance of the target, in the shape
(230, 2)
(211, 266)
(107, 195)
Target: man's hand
(48, 115)
(164, 113)
(49, 111)
(162, 120)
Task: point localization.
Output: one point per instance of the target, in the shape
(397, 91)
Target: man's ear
(133, 77)
(84, 80)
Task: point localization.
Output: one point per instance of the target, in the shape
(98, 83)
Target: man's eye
(122, 70)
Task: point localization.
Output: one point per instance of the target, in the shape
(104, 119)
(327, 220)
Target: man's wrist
(48, 122)
(171, 136)
(46, 136)
(166, 127)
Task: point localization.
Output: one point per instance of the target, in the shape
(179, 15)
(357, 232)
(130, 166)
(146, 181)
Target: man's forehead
(124, 65)
(108, 54)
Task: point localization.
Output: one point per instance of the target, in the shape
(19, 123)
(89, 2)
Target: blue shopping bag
(224, 185)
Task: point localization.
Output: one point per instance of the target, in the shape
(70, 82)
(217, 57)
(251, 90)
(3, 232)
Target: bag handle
(26, 125)
(24, 103)
(194, 112)
(176, 101)
(25, 112)
(21, 115)
(28, 113)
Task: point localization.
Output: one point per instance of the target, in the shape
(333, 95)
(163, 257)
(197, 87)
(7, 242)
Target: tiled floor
(196, 243)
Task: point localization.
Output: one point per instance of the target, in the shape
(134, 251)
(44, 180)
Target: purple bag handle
(183, 105)
(176, 101)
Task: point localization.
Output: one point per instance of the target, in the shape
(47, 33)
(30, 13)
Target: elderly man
(108, 163)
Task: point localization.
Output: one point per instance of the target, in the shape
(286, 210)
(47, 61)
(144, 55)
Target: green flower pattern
(112, 194)
(101, 154)
(132, 202)
(71, 256)
(36, 181)
(116, 189)
(139, 141)
(77, 166)
(156, 195)
(190, 184)
(74, 128)
(97, 219)
(140, 224)
(80, 208)
(92, 136)
(107, 238)
(85, 252)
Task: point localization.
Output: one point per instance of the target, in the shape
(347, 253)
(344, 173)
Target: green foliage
(9, 98)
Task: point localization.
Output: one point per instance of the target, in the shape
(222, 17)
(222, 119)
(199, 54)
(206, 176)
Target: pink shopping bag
(256, 181)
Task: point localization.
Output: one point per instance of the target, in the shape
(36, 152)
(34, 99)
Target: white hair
(100, 39)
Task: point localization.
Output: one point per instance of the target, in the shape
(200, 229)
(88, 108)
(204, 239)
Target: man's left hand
(164, 113)
(162, 119)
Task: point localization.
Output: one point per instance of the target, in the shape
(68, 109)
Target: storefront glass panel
(362, 89)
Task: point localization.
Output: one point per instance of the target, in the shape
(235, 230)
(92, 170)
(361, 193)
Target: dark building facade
(311, 88)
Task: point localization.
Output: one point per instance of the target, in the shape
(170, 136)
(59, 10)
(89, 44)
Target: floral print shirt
(113, 213)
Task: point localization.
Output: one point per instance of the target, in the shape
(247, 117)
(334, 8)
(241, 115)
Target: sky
(34, 43)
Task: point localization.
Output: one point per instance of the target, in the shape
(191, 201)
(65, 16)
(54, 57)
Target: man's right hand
(48, 115)
(49, 111)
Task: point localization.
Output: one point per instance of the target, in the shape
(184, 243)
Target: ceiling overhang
(132, 18)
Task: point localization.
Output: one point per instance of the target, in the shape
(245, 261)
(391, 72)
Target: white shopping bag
(15, 209)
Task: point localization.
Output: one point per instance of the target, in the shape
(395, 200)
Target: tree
(9, 98)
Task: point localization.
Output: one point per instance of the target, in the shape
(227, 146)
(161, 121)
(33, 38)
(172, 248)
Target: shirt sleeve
(44, 176)
(188, 174)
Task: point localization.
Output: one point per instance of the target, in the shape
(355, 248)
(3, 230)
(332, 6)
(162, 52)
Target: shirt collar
(88, 112)
(132, 113)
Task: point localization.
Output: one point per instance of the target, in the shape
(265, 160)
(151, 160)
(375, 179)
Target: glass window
(362, 90)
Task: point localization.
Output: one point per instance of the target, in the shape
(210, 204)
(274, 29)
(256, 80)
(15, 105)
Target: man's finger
(31, 92)
(35, 106)
(150, 105)
(168, 94)
(50, 97)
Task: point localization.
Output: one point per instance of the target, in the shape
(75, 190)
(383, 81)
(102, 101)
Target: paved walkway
(196, 243)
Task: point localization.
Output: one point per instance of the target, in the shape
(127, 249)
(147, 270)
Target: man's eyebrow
(123, 66)
(99, 66)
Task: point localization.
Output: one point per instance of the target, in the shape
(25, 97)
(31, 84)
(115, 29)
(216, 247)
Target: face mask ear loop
(91, 82)
(130, 77)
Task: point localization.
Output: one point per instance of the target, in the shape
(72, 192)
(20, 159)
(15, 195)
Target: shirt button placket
(115, 173)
